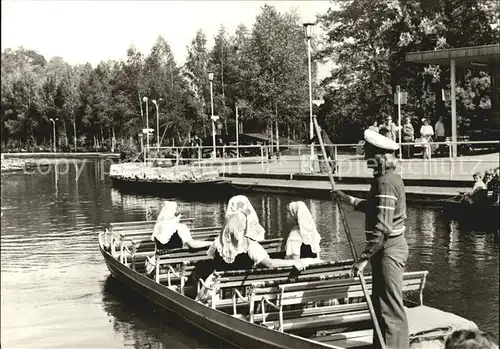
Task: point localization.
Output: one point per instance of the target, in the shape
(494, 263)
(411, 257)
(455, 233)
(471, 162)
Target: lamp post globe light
(145, 100)
(308, 30)
(211, 78)
(54, 131)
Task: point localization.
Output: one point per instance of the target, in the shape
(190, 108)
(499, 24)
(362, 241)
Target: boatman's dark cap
(379, 143)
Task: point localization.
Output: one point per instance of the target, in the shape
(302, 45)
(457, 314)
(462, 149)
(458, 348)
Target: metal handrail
(340, 145)
(306, 164)
(266, 150)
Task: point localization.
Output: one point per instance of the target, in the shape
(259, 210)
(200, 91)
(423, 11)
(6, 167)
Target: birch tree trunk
(113, 140)
(140, 103)
(74, 131)
(65, 133)
(102, 136)
(271, 138)
(277, 130)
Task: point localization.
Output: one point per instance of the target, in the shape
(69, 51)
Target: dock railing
(348, 159)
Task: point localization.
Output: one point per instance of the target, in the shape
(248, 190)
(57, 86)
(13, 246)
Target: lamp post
(157, 122)
(237, 133)
(145, 100)
(54, 131)
(211, 78)
(308, 28)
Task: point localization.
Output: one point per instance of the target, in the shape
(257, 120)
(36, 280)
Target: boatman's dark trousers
(387, 270)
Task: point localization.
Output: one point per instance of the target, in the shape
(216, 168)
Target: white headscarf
(232, 240)
(305, 224)
(240, 203)
(167, 222)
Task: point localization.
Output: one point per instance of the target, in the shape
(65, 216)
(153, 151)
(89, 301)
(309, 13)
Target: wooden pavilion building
(486, 58)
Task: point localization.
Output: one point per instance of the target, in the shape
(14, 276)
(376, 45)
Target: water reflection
(55, 285)
(148, 207)
(142, 325)
(56, 178)
(454, 244)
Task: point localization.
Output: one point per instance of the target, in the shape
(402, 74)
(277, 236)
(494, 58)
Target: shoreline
(86, 155)
(304, 177)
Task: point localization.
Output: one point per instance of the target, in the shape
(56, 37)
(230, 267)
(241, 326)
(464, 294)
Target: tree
(196, 74)
(71, 98)
(368, 41)
(21, 79)
(278, 76)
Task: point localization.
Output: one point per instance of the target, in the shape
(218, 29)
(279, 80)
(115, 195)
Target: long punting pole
(349, 237)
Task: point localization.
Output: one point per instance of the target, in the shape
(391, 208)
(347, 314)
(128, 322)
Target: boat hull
(239, 333)
(193, 190)
(476, 214)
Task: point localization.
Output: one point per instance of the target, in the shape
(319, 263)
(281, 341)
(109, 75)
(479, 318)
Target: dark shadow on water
(481, 224)
(143, 324)
(212, 193)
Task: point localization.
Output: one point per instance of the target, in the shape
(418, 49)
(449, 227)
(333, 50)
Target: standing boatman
(386, 247)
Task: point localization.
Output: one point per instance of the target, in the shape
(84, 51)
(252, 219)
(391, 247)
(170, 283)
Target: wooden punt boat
(25, 167)
(237, 320)
(483, 211)
(236, 331)
(216, 187)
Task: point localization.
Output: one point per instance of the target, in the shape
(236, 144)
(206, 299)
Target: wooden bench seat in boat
(136, 225)
(302, 293)
(137, 256)
(142, 242)
(178, 264)
(232, 288)
(139, 234)
(135, 242)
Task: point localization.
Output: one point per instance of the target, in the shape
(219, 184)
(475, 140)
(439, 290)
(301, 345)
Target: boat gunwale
(167, 293)
(159, 181)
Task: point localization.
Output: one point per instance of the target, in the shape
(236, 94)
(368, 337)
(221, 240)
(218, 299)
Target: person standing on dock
(386, 248)
(426, 133)
(408, 137)
(374, 126)
(440, 134)
(389, 128)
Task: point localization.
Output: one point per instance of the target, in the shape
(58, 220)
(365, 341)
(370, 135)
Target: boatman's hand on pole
(342, 196)
(359, 266)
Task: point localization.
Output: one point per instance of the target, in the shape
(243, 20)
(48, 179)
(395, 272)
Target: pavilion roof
(473, 57)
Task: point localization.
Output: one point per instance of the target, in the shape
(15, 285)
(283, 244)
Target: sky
(93, 30)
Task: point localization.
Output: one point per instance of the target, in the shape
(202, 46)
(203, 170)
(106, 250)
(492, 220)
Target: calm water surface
(56, 291)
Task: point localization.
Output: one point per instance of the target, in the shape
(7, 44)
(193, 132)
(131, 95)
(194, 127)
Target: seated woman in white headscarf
(169, 233)
(303, 239)
(232, 250)
(240, 203)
